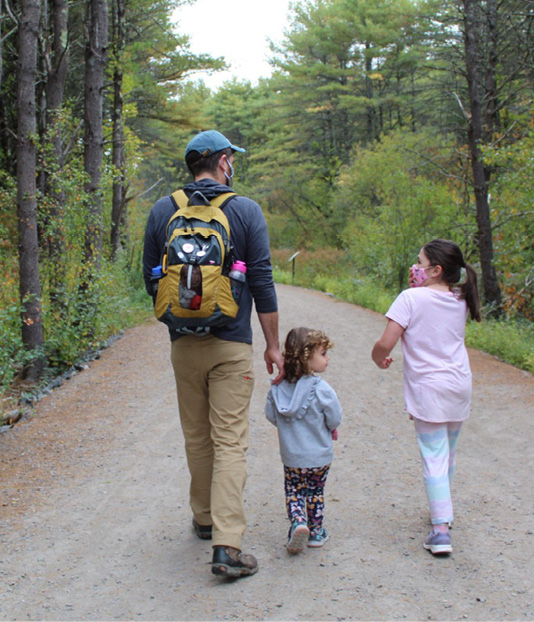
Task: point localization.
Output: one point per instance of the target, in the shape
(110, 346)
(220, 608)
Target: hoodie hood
(293, 400)
(208, 187)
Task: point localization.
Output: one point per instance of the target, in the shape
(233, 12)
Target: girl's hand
(382, 348)
(335, 435)
(385, 363)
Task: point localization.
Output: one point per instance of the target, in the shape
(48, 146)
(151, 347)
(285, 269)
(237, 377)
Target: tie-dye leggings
(304, 490)
(437, 442)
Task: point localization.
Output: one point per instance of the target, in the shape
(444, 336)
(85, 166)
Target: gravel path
(95, 523)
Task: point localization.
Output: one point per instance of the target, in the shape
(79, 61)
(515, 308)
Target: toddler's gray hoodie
(305, 413)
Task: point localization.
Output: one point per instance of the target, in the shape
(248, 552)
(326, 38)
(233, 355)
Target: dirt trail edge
(95, 524)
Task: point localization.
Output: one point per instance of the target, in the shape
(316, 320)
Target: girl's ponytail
(469, 291)
(449, 256)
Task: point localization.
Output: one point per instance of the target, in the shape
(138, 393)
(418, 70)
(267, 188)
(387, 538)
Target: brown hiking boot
(230, 562)
(202, 531)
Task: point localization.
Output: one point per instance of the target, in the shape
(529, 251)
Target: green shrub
(511, 341)
(87, 320)
(11, 352)
(362, 292)
(71, 330)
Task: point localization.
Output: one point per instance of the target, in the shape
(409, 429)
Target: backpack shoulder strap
(181, 200)
(222, 199)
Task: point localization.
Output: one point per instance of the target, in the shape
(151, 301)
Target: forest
(385, 123)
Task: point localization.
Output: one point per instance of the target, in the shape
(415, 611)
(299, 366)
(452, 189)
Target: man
(214, 374)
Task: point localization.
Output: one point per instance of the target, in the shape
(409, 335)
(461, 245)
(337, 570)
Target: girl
(306, 411)
(430, 321)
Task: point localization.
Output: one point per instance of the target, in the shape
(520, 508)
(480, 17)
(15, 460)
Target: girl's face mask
(418, 275)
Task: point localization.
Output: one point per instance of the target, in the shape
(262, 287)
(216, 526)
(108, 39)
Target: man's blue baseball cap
(208, 142)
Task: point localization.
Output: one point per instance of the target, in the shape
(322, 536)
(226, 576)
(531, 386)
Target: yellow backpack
(194, 293)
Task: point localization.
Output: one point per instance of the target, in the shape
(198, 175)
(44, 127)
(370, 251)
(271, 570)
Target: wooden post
(292, 259)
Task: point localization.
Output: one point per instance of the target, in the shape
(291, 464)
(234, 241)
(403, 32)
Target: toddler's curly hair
(299, 347)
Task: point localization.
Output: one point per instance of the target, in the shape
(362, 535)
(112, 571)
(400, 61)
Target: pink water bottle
(237, 278)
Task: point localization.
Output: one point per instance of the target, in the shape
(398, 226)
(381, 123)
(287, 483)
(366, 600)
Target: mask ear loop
(230, 177)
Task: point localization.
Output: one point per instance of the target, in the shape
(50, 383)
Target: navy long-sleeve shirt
(250, 239)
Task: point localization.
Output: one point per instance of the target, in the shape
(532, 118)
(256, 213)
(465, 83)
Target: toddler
(306, 412)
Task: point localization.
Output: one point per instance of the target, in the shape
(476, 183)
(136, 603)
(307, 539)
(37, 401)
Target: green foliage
(511, 341)
(75, 328)
(12, 354)
(284, 231)
(80, 327)
(393, 203)
(329, 270)
(164, 138)
(512, 200)
(8, 222)
(74, 322)
(352, 68)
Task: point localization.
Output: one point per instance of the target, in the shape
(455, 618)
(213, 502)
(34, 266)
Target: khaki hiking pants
(214, 381)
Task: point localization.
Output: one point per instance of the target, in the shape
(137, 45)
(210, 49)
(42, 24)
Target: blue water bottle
(157, 273)
(237, 279)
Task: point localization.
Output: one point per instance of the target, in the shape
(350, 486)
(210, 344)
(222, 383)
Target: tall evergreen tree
(475, 137)
(95, 68)
(117, 112)
(55, 59)
(30, 285)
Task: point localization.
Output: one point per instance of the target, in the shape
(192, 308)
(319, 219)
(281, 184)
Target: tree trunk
(56, 75)
(29, 285)
(1, 40)
(492, 98)
(95, 66)
(490, 283)
(372, 123)
(119, 202)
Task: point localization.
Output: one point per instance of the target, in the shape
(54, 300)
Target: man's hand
(274, 357)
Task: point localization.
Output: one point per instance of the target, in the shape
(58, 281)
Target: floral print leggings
(304, 490)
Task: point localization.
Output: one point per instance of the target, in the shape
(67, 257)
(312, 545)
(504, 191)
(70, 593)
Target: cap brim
(240, 149)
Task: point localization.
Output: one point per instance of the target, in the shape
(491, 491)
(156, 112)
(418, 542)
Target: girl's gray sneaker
(298, 534)
(438, 543)
(318, 539)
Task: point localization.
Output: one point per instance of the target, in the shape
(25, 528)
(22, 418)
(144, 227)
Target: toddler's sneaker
(298, 534)
(318, 538)
(438, 543)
